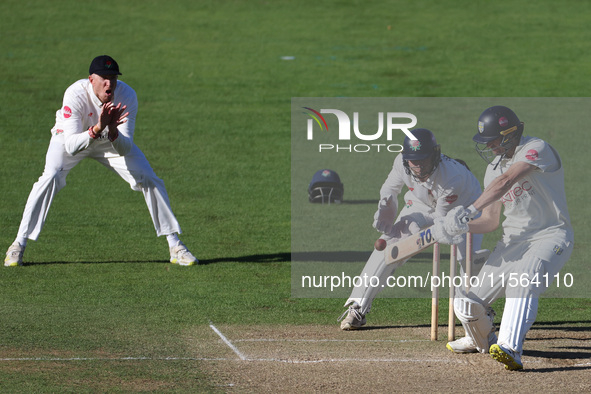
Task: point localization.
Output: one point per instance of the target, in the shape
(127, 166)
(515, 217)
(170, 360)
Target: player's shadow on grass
(324, 257)
(26, 264)
(254, 258)
(345, 256)
(359, 202)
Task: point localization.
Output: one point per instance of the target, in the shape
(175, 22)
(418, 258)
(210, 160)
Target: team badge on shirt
(532, 155)
(67, 112)
(451, 198)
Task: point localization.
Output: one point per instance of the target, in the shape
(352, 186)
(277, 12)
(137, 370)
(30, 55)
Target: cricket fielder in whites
(97, 121)
(436, 184)
(525, 176)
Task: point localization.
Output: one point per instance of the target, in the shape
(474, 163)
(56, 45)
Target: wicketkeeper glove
(385, 215)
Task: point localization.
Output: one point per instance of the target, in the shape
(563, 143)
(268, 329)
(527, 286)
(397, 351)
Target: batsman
(525, 179)
(436, 184)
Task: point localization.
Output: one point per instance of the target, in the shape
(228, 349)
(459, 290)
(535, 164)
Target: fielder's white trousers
(134, 168)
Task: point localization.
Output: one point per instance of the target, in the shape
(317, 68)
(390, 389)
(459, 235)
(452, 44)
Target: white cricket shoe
(14, 255)
(467, 344)
(462, 345)
(354, 320)
(508, 357)
(180, 255)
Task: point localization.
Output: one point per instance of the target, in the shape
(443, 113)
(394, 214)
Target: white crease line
(227, 342)
(330, 340)
(112, 359)
(365, 360)
(287, 361)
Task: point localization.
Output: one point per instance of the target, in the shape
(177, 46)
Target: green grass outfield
(214, 121)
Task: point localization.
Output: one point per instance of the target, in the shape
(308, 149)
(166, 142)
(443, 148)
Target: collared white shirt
(81, 109)
(451, 184)
(535, 206)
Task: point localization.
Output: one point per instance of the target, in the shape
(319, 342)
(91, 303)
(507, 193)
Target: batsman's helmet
(494, 123)
(425, 146)
(326, 187)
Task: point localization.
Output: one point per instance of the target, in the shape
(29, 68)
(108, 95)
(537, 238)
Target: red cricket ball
(380, 244)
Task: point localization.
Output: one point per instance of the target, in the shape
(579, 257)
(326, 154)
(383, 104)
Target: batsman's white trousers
(134, 168)
(376, 264)
(520, 271)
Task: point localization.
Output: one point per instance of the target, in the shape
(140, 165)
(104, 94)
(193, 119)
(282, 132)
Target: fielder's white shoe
(14, 255)
(180, 255)
(508, 357)
(354, 320)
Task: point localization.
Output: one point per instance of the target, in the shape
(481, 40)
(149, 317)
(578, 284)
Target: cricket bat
(408, 247)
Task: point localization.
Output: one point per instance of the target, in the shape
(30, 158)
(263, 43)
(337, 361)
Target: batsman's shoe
(180, 255)
(14, 255)
(354, 320)
(467, 344)
(508, 357)
(462, 345)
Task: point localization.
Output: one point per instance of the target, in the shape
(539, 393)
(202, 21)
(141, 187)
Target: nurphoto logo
(389, 124)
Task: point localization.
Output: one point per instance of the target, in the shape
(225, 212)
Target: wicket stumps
(453, 260)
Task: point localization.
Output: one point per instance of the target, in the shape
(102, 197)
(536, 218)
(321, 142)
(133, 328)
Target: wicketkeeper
(436, 184)
(525, 175)
(97, 121)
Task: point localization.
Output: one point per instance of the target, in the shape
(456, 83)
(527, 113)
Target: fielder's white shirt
(81, 109)
(451, 184)
(535, 206)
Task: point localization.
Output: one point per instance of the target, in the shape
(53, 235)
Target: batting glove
(456, 220)
(441, 235)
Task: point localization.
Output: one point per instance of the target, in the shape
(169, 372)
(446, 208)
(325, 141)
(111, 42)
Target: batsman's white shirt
(535, 207)
(81, 109)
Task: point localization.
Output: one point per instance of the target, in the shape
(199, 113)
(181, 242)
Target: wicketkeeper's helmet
(326, 187)
(425, 146)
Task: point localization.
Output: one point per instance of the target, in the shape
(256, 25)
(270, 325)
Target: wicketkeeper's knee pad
(476, 321)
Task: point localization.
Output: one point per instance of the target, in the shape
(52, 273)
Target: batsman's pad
(476, 321)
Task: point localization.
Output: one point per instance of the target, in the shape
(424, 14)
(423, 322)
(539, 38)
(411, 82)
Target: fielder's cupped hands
(112, 115)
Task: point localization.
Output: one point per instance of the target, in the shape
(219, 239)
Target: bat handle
(465, 219)
(469, 213)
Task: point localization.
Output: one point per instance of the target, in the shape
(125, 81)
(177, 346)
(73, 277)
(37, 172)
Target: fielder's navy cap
(104, 65)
